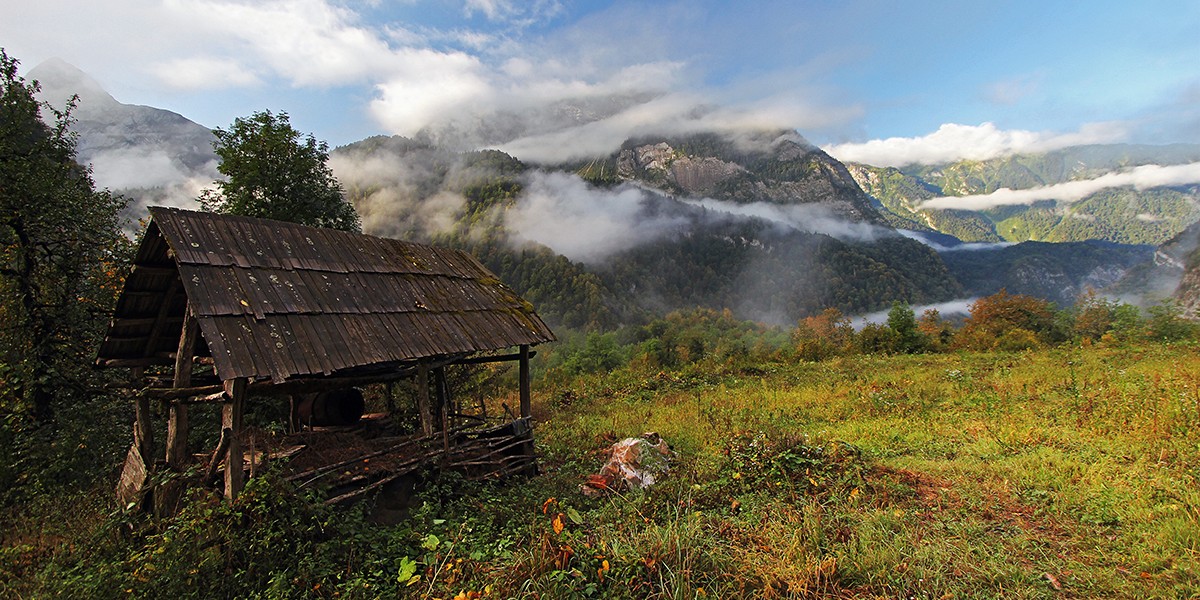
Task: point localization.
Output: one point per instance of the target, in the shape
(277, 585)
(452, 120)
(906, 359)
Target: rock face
(779, 168)
(131, 146)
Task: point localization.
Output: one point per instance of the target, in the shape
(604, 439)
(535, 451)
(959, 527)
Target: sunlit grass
(1023, 475)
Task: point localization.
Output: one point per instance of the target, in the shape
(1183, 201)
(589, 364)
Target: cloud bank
(1143, 177)
(953, 142)
(584, 223)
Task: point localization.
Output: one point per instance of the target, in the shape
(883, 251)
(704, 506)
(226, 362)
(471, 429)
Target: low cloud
(585, 223)
(1143, 177)
(951, 310)
(400, 197)
(812, 218)
(953, 142)
(963, 247)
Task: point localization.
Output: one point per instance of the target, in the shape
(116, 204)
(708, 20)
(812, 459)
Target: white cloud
(584, 223)
(309, 42)
(1143, 177)
(814, 218)
(952, 142)
(201, 73)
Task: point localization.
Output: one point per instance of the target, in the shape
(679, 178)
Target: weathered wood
(423, 399)
(477, 360)
(214, 398)
(210, 473)
(148, 361)
(131, 487)
(177, 423)
(160, 322)
(526, 402)
(442, 393)
(231, 418)
(153, 270)
(267, 388)
(143, 430)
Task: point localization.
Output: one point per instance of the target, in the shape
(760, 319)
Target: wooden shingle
(277, 300)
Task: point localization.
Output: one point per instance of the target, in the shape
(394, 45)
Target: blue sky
(883, 82)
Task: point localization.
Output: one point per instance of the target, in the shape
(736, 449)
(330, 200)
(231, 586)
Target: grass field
(1061, 473)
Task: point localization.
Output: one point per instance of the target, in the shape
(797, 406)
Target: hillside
(151, 155)
(1121, 214)
(761, 222)
(676, 251)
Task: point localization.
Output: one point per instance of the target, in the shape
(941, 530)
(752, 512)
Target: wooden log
(143, 430)
(177, 423)
(423, 399)
(210, 473)
(160, 322)
(231, 418)
(477, 360)
(526, 402)
(131, 488)
(148, 361)
(443, 398)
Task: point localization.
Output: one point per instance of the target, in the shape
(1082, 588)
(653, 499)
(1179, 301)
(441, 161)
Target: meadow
(1067, 472)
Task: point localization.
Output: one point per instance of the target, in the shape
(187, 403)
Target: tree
(993, 317)
(903, 322)
(274, 172)
(60, 247)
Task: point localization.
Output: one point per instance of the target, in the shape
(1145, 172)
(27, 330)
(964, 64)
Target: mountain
(774, 167)
(1059, 272)
(1116, 214)
(150, 154)
(781, 232)
(760, 222)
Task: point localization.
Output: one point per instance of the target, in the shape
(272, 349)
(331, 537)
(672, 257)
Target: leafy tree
(992, 317)
(60, 244)
(823, 336)
(276, 173)
(60, 250)
(938, 331)
(1167, 323)
(903, 322)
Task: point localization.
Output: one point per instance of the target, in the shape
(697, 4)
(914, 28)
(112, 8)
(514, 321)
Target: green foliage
(1058, 272)
(61, 263)
(1167, 323)
(903, 323)
(274, 172)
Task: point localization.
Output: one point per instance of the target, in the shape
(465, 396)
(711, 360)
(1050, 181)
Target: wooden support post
(143, 430)
(443, 402)
(231, 419)
(423, 399)
(526, 403)
(389, 397)
(177, 423)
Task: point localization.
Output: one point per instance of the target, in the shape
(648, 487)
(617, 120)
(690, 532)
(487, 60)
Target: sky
(883, 82)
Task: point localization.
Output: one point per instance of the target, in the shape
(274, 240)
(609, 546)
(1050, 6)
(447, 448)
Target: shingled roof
(279, 300)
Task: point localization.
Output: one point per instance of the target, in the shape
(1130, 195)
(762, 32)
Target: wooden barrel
(334, 407)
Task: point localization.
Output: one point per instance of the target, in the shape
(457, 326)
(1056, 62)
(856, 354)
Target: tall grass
(1068, 472)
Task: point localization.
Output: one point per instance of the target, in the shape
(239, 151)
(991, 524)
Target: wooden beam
(177, 423)
(154, 270)
(231, 419)
(442, 393)
(475, 360)
(423, 399)
(526, 402)
(134, 321)
(134, 363)
(160, 322)
(143, 431)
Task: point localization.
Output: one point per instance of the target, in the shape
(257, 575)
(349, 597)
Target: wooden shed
(217, 307)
